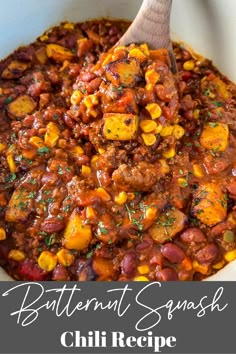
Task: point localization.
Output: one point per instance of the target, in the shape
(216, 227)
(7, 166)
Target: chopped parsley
(31, 195)
(89, 254)
(102, 229)
(213, 125)
(60, 170)
(43, 150)
(11, 177)
(217, 104)
(49, 240)
(67, 208)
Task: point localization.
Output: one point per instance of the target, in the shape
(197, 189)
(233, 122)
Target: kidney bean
(231, 187)
(129, 264)
(207, 254)
(52, 225)
(60, 273)
(49, 178)
(93, 85)
(113, 39)
(193, 235)
(173, 253)
(69, 122)
(28, 270)
(87, 76)
(185, 275)
(167, 274)
(113, 31)
(186, 75)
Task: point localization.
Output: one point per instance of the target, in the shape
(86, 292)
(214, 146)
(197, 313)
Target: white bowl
(208, 26)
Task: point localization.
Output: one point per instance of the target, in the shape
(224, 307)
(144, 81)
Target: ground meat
(138, 178)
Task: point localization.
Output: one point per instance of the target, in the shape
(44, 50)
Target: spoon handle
(151, 25)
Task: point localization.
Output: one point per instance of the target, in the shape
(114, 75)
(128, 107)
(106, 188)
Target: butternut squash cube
(103, 267)
(77, 235)
(221, 88)
(41, 55)
(58, 53)
(123, 72)
(21, 106)
(14, 70)
(19, 206)
(120, 126)
(209, 204)
(215, 136)
(168, 225)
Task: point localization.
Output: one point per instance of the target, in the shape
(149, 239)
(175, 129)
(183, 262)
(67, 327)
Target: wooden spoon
(152, 26)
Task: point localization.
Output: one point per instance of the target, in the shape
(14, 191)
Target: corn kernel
(3, 235)
(169, 153)
(85, 171)
(143, 269)
(76, 150)
(154, 109)
(103, 194)
(11, 163)
(69, 25)
(47, 261)
(36, 142)
(196, 113)
(76, 97)
(101, 151)
(166, 131)
(16, 255)
(144, 49)
(189, 65)
(218, 265)
(2, 147)
(178, 131)
(211, 95)
(151, 213)
(90, 101)
(148, 125)
(165, 168)
(197, 170)
(92, 112)
(52, 135)
(230, 255)
(43, 38)
(203, 269)
(121, 198)
(182, 182)
(137, 54)
(141, 278)
(149, 139)
(1, 91)
(90, 213)
(94, 161)
(151, 77)
(65, 257)
(158, 129)
(149, 87)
